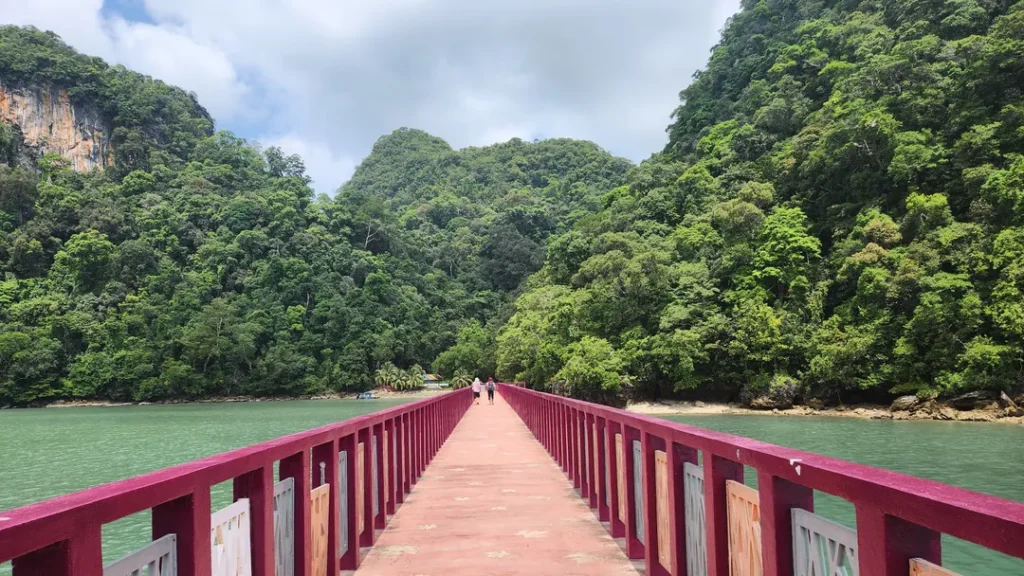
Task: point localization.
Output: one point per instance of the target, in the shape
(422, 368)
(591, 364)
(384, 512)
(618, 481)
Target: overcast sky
(326, 78)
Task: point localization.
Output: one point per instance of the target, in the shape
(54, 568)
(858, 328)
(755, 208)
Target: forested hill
(146, 257)
(839, 214)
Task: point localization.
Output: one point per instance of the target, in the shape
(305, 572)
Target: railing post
(574, 442)
(648, 444)
(617, 525)
(634, 547)
(189, 518)
(407, 457)
(258, 487)
(717, 471)
(390, 467)
(369, 533)
(887, 544)
(398, 486)
(79, 555)
(380, 520)
(602, 465)
(777, 498)
(584, 457)
(295, 466)
(592, 486)
(350, 559)
(678, 456)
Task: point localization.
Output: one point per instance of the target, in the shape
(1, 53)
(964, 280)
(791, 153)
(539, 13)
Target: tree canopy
(838, 214)
(202, 265)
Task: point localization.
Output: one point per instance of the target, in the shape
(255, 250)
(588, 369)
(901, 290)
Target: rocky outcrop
(904, 403)
(49, 122)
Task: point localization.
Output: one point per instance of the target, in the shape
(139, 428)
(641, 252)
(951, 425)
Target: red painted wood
(80, 555)
(777, 498)
(986, 520)
(397, 488)
(634, 548)
(583, 438)
(603, 510)
(678, 456)
(380, 521)
(618, 527)
(886, 543)
(369, 533)
(350, 559)
(296, 467)
(717, 471)
(189, 518)
(258, 487)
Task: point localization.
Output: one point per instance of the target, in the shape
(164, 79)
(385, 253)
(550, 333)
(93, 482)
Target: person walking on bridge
(477, 385)
(490, 390)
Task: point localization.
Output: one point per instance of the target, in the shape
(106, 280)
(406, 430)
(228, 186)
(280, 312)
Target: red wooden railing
(899, 518)
(61, 537)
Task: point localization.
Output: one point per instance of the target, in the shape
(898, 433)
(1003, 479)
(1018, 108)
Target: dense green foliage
(199, 265)
(839, 213)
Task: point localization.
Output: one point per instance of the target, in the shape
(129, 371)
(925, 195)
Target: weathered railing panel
(319, 507)
(823, 547)
(744, 530)
(284, 528)
(662, 501)
(343, 501)
(696, 533)
(229, 540)
(158, 558)
(620, 457)
(638, 490)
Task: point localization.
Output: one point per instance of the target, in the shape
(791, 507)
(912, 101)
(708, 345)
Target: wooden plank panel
(594, 462)
(229, 540)
(387, 468)
(661, 497)
(696, 533)
(620, 462)
(919, 567)
(744, 518)
(319, 511)
(360, 487)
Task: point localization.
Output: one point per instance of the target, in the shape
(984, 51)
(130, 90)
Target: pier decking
(494, 502)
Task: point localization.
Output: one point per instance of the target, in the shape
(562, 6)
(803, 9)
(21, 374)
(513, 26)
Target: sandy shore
(381, 395)
(867, 412)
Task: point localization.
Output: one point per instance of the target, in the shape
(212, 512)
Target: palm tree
(388, 376)
(461, 379)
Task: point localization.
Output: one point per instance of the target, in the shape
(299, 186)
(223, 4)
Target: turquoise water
(52, 451)
(987, 458)
(48, 452)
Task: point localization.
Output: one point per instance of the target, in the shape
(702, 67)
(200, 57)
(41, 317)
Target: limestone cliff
(50, 123)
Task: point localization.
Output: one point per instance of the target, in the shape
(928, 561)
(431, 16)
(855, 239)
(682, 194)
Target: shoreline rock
(381, 395)
(930, 410)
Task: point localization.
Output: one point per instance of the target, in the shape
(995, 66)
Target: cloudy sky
(326, 78)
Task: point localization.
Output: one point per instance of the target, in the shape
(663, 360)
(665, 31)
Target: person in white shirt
(477, 385)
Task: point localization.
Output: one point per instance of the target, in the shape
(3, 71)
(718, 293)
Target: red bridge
(643, 496)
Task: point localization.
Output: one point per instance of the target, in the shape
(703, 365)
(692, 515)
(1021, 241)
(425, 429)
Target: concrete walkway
(494, 502)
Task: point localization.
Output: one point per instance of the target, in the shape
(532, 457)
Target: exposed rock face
(904, 403)
(50, 123)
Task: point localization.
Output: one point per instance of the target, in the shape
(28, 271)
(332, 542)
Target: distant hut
(432, 381)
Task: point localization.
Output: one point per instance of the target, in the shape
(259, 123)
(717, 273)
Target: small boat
(366, 396)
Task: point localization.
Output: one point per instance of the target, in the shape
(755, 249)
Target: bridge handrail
(899, 517)
(61, 536)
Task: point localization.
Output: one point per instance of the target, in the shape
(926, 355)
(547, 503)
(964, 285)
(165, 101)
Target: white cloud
(331, 77)
(322, 164)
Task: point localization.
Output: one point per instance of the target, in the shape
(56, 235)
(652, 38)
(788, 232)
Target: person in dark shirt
(490, 390)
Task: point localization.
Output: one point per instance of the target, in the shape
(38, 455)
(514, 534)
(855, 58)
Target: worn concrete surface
(494, 502)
